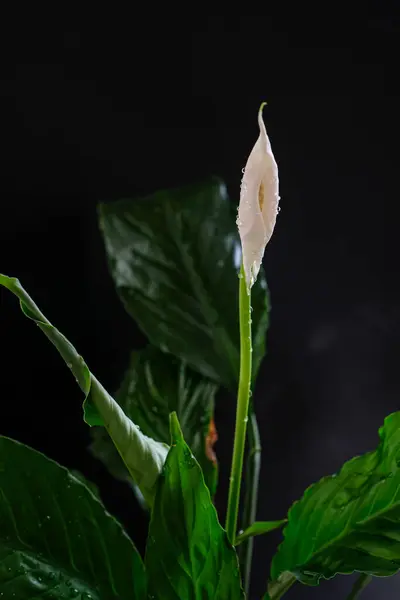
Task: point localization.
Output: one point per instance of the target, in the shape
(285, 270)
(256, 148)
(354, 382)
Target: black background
(94, 113)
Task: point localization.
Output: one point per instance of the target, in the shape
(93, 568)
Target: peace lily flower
(258, 207)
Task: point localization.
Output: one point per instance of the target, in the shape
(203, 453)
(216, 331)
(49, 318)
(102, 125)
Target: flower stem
(251, 496)
(241, 408)
(359, 585)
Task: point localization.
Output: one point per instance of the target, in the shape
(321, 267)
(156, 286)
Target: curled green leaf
(143, 456)
(156, 384)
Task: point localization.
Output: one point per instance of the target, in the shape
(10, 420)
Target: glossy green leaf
(143, 457)
(258, 528)
(188, 555)
(155, 385)
(349, 521)
(89, 484)
(175, 257)
(56, 539)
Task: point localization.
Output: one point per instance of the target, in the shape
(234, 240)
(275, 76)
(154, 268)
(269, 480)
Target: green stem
(278, 588)
(241, 409)
(359, 585)
(251, 497)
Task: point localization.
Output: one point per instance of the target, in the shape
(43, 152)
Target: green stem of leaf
(250, 500)
(242, 407)
(359, 585)
(278, 588)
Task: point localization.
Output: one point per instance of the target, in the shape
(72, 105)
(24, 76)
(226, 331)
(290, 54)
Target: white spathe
(259, 200)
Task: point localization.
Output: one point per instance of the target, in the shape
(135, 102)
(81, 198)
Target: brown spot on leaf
(211, 438)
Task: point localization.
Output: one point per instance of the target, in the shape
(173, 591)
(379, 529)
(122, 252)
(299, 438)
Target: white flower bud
(258, 207)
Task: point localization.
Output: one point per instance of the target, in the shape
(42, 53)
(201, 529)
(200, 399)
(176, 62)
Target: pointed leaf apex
(175, 428)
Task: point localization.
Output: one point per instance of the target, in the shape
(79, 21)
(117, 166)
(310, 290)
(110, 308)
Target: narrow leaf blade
(56, 536)
(258, 528)
(188, 554)
(143, 456)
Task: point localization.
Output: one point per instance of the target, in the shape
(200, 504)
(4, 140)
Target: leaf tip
(175, 428)
(8, 282)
